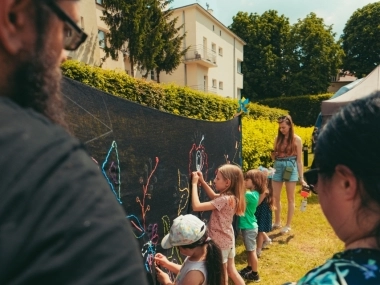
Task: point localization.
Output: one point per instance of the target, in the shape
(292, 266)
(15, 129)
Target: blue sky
(334, 12)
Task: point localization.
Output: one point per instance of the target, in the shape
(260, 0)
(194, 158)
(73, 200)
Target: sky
(334, 12)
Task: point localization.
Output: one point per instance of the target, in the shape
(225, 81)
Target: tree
(171, 54)
(126, 23)
(263, 67)
(360, 40)
(145, 27)
(313, 57)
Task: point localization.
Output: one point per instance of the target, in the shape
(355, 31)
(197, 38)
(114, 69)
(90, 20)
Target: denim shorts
(280, 164)
(249, 239)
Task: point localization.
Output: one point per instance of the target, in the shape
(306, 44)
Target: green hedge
(170, 98)
(303, 109)
(259, 126)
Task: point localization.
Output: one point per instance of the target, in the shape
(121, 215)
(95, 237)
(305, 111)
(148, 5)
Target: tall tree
(126, 21)
(267, 38)
(360, 40)
(170, 56)
(314, 56)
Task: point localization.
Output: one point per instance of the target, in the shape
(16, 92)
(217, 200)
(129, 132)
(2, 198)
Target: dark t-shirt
(59, 221)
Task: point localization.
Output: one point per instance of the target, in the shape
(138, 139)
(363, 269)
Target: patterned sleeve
(220, 202)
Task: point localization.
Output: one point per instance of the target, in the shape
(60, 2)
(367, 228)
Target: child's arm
(193, 277)
(163, 277)
(161, 260)
(195, 203)
(262, 197)
(210, 193)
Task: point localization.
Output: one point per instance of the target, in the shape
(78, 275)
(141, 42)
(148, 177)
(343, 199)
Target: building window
(220, 51)
(220, 33)
(152, 75)
(214, 83)
(100, 2)
(213, 47)
(238, 93)
(239, 66)
(213, 27)
(102, 38)
(221, 85)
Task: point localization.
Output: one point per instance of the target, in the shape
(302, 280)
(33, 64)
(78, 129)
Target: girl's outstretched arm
(209, 191)
(195, 203)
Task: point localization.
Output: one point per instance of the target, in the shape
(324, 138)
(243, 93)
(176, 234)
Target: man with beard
(59, 221)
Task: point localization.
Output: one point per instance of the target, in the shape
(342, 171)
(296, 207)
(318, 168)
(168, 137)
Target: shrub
(303, 109)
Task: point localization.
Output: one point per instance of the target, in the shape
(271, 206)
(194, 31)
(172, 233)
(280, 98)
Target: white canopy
(366, 87)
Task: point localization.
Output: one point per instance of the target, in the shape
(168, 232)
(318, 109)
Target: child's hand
(194, 177)
(162, 277)
(161, 260)
(200, 175)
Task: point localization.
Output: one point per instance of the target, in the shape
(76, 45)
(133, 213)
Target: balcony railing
(203, 88)
(200, 55)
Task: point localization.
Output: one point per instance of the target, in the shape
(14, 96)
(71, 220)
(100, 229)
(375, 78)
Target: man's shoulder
(20, 126)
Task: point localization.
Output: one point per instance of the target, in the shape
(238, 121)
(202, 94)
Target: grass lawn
(310, 242)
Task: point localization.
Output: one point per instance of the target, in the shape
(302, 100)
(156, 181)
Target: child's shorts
(228, 253)
(280, 164)
(249, 239)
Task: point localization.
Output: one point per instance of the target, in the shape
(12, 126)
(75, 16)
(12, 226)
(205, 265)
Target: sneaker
(267, 243)
(244, 271)
(276, 226)
(285, 229)
(252, 277)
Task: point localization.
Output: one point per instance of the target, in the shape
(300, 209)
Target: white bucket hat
(185, 230)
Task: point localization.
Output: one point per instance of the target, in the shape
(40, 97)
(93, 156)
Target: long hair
(270, 198)
(235, 175)
(214, 260)
(291, 145)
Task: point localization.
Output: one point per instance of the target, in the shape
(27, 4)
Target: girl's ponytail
(214, 264)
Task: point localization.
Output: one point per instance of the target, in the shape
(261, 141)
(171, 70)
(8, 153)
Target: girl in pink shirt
(229, 182)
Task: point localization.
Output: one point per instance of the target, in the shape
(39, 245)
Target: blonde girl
(230, 200)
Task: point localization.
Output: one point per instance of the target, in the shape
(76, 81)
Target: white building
(212, 63)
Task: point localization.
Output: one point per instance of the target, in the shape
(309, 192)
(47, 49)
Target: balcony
(203, 88)
(201, 55)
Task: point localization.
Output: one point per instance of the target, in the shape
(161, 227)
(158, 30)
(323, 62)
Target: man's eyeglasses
(311, 178)
(74, 36)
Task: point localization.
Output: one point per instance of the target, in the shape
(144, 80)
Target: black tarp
(147, 155)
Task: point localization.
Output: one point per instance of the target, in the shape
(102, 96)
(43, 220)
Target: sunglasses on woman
(282, 118)
(311, 178)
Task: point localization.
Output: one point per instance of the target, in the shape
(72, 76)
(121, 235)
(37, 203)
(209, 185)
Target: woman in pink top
(229, 182)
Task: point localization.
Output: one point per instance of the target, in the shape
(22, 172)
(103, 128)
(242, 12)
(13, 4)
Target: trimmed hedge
(170, 98)
(303, 109)
(258, 140)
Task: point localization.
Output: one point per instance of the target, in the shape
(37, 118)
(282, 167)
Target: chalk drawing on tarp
(111, 171)
(183, 192)
(127, 137)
